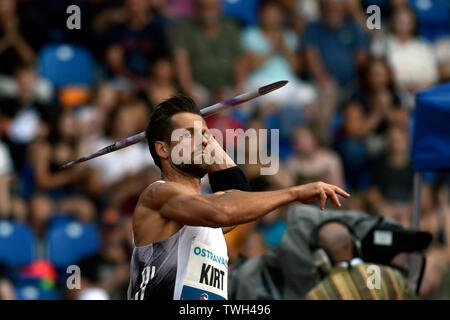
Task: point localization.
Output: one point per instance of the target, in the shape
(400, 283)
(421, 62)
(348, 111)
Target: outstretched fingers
(323, 199)
(341, 192)
(334, 198)
(331, 192)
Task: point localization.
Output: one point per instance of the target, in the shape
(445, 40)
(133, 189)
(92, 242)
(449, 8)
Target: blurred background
(345, 118)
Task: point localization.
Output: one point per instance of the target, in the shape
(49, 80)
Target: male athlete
(180, 251)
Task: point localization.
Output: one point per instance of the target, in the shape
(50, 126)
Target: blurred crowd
(345, 117)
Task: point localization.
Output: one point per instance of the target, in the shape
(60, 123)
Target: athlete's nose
(205, 140)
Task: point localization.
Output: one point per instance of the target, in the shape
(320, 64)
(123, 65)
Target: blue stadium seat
(33, 292)
(68, 243)
(66, 64)
(433, 17)
(17, 243)
(58, 220)
(246, 11)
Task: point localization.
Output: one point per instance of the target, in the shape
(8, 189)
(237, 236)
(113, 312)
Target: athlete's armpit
(225, 230)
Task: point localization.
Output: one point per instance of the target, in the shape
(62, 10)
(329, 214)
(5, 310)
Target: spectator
(254, 244)
(273, 227)
(6, 290)
(392, 177)
(66, 187)
(366, 116)
(207, 53)
(311, 162)
(110, 171)
(413, 61)
(443, 55)
(6, 174)
(54, 150)
(26, 85)
(307, 11)
(92, 117)
(271, 53)
(93, 293)
(335, 48)
(134, 42)
(23, 115)
(435, 219)
(162, 83)
(351, 146)
(14, 46)
(177, 8)
(346, 278)
(379, 103)
(106, 97)
(109, 269)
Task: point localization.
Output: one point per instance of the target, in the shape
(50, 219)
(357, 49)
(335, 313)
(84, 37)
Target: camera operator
(346, 276)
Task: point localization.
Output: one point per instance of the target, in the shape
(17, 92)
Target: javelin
(205, 112)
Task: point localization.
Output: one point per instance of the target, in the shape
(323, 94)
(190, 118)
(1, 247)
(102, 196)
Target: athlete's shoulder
(169, 188)
(161, 191)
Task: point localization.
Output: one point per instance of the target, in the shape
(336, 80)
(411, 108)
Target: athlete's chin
(195, 170)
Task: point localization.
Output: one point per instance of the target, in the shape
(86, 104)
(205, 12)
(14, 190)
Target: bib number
(206, 276)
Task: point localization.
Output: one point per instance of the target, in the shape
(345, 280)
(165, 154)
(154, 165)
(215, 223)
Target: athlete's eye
(186, 134)
(207, 134)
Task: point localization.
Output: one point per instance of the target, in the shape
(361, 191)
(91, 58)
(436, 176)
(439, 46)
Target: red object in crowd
(42, 269)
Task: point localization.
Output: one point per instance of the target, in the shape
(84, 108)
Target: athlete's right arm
(182, 205)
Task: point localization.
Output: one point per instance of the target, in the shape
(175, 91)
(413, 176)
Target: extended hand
(316, 191)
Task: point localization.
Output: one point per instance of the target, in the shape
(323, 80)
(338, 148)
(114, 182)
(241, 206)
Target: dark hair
(161, 55)
(263, 4)
(365, 70)
(160, 126)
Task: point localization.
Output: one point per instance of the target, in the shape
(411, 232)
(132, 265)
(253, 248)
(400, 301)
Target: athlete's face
(190, 137)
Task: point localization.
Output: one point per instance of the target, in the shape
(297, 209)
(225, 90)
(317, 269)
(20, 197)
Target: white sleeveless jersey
(190, 265)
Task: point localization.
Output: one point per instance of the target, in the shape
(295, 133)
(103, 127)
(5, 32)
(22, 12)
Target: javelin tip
(273, 86)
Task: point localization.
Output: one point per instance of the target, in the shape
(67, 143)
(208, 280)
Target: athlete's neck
(183, 179)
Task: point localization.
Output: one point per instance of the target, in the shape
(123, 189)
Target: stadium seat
(68, 243)
(32, 292)
(244, 11)
(58, 220)
(66, 65)
(17, 243)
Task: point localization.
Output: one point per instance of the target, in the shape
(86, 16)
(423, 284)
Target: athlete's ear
(162, 149)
